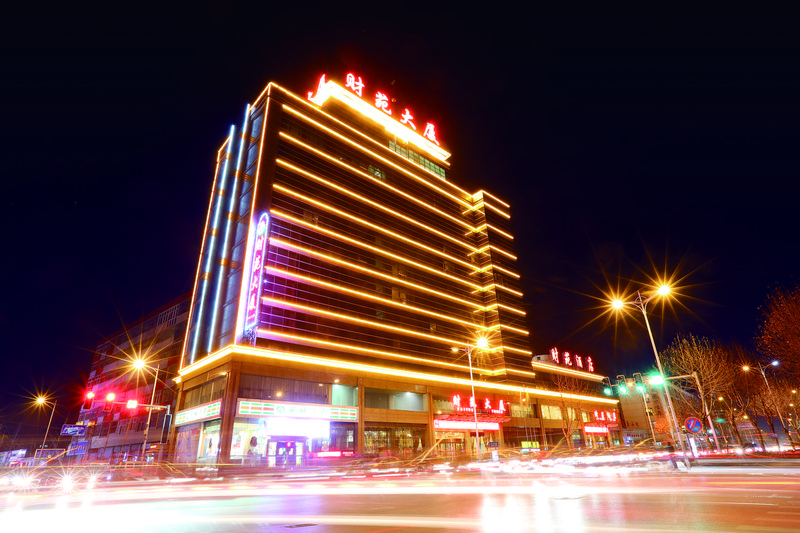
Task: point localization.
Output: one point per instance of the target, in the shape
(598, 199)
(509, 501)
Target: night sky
(626, 150)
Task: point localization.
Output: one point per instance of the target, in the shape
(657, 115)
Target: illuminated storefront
(343, 268)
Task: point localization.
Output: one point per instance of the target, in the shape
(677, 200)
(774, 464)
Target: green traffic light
(640, 388)
(623, 389)
(607, 391)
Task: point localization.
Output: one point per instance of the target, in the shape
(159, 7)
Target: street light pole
(474, 401)
(481, 344)
(42, 401)
(641, 303)
(149, 414)
(775, 403)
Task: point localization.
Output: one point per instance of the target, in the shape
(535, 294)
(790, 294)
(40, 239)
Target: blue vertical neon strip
(212, 236)
(224, 253)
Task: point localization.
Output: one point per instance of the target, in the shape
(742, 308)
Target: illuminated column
(228, 411)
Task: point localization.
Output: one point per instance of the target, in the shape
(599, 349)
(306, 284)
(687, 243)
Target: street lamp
(641, 304)
(481, 344)
(139, 365)
(41, 400)
(762, 368)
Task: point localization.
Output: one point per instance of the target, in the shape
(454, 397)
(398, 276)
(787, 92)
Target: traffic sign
(73, 430)
(693, 424)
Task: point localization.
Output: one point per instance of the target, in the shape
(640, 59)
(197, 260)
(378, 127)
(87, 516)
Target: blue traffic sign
(693, 424)
(73, 430)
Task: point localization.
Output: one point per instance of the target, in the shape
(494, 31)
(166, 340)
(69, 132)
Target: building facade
(115, 432)
(349, 296)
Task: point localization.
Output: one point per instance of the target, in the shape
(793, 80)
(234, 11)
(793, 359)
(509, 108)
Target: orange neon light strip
(400, 168)
(340, 288)
(368, 224)
(563, 370)
(332, 89)
(480, 193)
(348, 318)
(233, 349)
(288, 217)
(379, 182)
(266, 333)
(486, 225)
(373, 203)
(284, 244)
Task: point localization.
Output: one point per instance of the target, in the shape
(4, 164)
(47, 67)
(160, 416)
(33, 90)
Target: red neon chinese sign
(381, 101)
(571, 360)
(501, 409)
(256, 271)
(605, 416)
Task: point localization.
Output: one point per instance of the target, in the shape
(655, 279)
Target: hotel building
(350, 296)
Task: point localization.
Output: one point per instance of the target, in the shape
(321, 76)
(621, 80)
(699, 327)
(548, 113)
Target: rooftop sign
(377, 106)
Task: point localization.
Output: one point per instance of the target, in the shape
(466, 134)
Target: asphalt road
(591, 500)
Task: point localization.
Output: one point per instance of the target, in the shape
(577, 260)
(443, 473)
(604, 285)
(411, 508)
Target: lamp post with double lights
(641, 304)
(762, 369)
(481, 344)
(41, 400)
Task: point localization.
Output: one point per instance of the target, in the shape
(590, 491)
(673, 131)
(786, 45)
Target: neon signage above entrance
(466, 426)
(460, 405)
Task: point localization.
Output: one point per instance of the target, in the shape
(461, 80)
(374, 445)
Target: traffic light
(132, 404)
(639, 383)
(607, 390)
(88, 400)
(622, 385)
(109, 406)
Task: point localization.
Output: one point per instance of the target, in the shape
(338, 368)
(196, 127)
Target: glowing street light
(762, 370)
(139, 365)
(41, 400)
(481, 344)
(641, 304)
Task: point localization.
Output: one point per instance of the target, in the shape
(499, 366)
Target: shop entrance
(286, 452)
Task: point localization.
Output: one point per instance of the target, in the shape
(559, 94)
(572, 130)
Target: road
(590, 500)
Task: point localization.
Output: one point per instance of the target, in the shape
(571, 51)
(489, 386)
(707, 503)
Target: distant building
(118, 434)
(644, 412)
(343, 279)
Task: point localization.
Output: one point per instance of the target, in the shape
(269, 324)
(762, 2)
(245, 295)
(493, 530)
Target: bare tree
(571, 407)
(690, 356)
(779, 329)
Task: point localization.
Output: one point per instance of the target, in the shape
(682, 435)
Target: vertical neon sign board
(256, 275)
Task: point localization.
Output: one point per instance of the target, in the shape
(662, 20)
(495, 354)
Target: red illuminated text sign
(381, 100)
(487, 405)
(605, 416)
(571, 360)
(259, 249)
(595, 429)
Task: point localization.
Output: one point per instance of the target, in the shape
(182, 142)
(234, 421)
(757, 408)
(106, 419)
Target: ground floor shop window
(288, 441)
(401, 440)
(523, 438)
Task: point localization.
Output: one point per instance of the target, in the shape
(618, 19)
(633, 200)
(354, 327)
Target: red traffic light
(109, 406)
(132, 404)
(88, 400)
